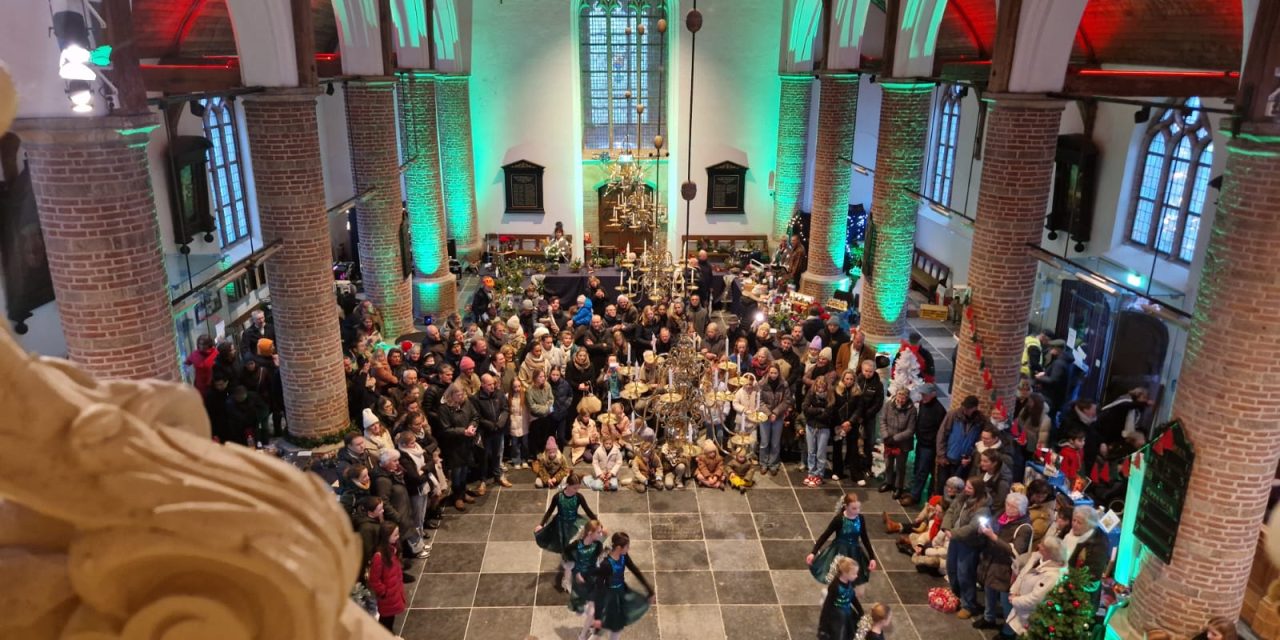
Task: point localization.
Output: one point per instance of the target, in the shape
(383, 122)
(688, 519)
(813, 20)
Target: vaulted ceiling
(171, 29)
(1202, 34)
(1162, 33)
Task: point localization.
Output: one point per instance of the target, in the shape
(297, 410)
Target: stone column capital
(905, 85)
(283, 94)
(126, 130)
(1024, 101)
(373, 82)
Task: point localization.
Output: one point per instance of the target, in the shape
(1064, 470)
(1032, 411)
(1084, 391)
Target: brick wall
(1231, 405)
(433, 289)
(793, 130)
(1017, 175)
(457, 160)
(375, 162)
(837, 108)
(904, 132)
(92, 185)
(285, 147)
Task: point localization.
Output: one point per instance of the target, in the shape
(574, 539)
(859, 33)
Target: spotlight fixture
(964, 91)
(1142, 115)
(72, 32)
(1216, 183)
(328, 90)
(197, 108)
(81, 96)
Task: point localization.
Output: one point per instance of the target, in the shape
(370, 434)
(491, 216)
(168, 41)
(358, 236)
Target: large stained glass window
(622, 66)
(1172, 182)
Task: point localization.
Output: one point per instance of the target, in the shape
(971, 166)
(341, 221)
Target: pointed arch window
(942, 161)
(226, 173)
(1172, 182)
(612, 48)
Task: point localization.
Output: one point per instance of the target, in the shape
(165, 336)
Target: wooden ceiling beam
(169, 79)
(1159, 84)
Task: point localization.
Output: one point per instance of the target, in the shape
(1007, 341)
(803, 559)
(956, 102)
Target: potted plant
(576, 265)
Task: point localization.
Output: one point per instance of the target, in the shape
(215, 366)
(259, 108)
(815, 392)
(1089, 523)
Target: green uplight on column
(457, 173)
(422, 183)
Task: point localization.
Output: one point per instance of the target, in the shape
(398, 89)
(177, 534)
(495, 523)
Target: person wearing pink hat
(467, 377)
(550, 468)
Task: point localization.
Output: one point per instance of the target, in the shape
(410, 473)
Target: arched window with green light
(226, 173)
(612, 49)
(1172, 182)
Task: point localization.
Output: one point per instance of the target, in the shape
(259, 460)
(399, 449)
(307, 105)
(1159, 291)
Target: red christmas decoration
(977, 350)
(1075, 603)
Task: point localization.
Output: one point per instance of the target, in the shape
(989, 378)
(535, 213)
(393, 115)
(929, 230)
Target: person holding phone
(966, 514)
(1008, 539)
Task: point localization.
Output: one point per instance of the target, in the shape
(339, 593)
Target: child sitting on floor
(710, 473)
(742, 471)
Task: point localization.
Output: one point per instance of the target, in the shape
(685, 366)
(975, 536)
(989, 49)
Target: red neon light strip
(1158, 74)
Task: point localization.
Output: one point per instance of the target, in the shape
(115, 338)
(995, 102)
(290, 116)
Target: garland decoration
(988, 381)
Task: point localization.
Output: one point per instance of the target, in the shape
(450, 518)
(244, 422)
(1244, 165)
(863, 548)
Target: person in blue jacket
(956, 437)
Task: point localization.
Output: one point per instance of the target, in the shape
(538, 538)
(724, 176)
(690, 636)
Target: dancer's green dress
(851, 541)
(616, 605)
(582, 579)
(556, 536)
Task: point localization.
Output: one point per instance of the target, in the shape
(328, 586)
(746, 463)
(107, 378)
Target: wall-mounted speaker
(1075, 180)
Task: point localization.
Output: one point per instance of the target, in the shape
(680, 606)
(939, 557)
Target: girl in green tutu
(851, 541)
(614, 606)
(841, 611)
(580, 562)
(554, 535)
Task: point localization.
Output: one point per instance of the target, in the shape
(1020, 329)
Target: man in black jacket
(929, 416)
(493, 417)
(481, 302)
(871, 388)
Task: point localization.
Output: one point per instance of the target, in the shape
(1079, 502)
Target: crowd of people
(548, 388)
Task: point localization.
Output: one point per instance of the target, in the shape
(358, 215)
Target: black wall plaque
(523, 182)
(1164, 488)
(727, 188)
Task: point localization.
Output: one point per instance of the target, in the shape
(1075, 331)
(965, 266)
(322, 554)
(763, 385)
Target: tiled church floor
(724, 566)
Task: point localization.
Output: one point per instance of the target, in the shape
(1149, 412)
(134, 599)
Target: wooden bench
(927, 274)
(724, 246)
(522, 245)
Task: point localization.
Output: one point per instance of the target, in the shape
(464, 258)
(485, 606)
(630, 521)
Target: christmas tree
(906, 373)
(1067, 612)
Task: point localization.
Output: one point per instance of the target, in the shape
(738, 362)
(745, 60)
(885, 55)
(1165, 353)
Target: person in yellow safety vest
(1034, 350)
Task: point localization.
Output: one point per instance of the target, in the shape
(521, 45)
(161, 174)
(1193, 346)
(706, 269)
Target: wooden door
(616, 236)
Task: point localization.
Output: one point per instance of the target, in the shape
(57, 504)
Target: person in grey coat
(898, 428)
(971, 511)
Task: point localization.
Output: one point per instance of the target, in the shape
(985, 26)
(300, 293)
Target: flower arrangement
(576, 265)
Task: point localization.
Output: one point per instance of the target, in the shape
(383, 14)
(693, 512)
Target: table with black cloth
(568, 285)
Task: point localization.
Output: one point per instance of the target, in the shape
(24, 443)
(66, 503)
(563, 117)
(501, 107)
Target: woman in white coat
(1034, 582)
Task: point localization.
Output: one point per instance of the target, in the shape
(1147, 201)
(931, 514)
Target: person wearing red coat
(386, 576)
(1072, 456)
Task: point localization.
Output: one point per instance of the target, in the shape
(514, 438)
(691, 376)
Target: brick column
(1013, 195)
(434, 288)
(457, 162)
(375, 163)
(904, 133)
(793, 134)
(1232, 409)
(92, 184)
(837, 110)
(284, 145)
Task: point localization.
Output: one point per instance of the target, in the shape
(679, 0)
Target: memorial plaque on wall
(523, 183)
(727, 188)
(1167, 463)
